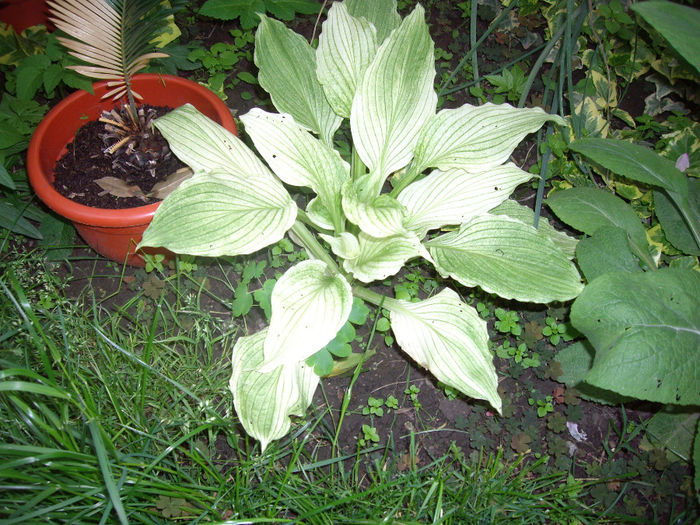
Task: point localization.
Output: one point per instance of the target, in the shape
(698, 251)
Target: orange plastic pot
(112, 233)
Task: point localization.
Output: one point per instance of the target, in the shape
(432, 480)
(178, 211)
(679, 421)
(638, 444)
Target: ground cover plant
(114, 383)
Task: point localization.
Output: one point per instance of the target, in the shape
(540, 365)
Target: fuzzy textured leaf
(506, 257)
(447, 337)
(588, 209)
(309, 305)
(264, 401)
(607, 250)
(645, 329)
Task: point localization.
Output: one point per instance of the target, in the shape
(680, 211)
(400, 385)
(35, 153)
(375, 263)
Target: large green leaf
(346, 47)
(506, 257)
(383, 15)
(204, 145)
(393, 100)
(309, 305)
(588, 209)
(633, 162)
(679, 24)
(514, 209)
(287, 71)
(447, 337)
(673, 430)
(476, 138)
(676, 228)
(455, 196)
(645, 329)
(222, 213)
(607, 250)
(298, 158)
(264, 401)
(378, 258)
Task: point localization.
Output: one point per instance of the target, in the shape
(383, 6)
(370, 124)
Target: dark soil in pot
(88, 161)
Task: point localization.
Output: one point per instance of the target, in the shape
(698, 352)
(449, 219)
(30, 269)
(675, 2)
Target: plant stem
(312, 246)
(408, 177)
(375, 298)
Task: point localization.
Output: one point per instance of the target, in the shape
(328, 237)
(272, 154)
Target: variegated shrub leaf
(393, 100)
(287, 65)
(506, 257)
(447, 337)
(455, 196)
(346, 47)
(476, 138)
(265, 400)
(309, 305)
(298, 158)
(222, 213)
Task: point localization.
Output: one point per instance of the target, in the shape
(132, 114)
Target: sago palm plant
(114, 39)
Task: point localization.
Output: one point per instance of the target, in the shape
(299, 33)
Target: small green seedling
(544, 406)
(508, 322)
(556, 332)
(154, 262)
(374, 407)
(369, 435)
(392, 403)
(412, 392)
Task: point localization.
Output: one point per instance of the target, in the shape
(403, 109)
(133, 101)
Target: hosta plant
(416, 183)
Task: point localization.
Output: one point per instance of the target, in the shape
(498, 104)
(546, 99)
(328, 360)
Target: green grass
(120, 413)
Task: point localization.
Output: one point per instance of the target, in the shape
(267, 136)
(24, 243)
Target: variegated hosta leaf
(287, 71)
(345, 245)
(381, 257)
(204, 145)
(309, 305)
(383, 15)
(298, 158)
(346, 46)
(318, 214)
(393, 100)
(511, 208)
(219, 213)
(447, 337)
(380, 216)
(476, 138)
(264, 401)
(506, 257)
(455, 196)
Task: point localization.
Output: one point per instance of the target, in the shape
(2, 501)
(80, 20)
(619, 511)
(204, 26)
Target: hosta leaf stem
(312, 246)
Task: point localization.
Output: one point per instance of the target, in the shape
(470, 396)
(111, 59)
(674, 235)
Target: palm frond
(112, 37)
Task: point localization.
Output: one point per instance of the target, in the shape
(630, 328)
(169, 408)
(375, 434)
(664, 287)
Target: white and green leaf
(204, 145)
(383, 15)
(514, 209)
(345, 245)
(309, 305)
(298, 158)
(222, 213)
(393, 100)
(455, 196)
(346, 46)
(287, 71)
(447, 337)
(379, 258)
(476, 138)
(264, 401)
(506, 257)
(380, 216)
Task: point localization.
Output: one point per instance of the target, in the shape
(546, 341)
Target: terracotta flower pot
(112, 233)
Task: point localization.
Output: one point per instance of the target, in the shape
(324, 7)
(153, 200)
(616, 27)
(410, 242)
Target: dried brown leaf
(119, 188)
(165, 187)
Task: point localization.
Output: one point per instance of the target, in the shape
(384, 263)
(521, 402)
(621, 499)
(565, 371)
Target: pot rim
(72, 104)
